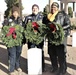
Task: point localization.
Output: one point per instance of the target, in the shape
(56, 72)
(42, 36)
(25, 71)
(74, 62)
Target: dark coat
(62, 19)
(12, 19)
(31, 18)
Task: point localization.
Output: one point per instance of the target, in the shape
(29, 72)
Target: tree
(20, 7)
(12, 3)
(46, 9)
(70, 12)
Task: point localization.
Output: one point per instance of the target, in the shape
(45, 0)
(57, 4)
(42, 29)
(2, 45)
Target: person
(35, 16)
(57, 53)
(14, 52)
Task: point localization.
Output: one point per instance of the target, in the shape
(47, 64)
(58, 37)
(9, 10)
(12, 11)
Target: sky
(27, 4)
(2, 6)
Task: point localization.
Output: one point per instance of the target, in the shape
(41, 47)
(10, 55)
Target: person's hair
(14, 8)
(55, 4)
(35, 5)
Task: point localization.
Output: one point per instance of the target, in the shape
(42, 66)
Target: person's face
(35, 10)
(15, 14)
(54, 9)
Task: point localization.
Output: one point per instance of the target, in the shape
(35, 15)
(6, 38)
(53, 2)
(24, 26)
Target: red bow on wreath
(35, 26)
(12, 32)
(14, 35)
(53, 27)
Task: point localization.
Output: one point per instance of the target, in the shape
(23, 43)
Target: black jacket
(12, 19)
(31, 18)
(62, 19)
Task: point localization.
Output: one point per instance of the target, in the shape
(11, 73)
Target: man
(35, 16)
(15, 51)
(57, 53)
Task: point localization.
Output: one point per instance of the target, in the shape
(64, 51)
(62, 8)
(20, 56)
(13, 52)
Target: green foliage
(9, 41)
(70, 12)
(46, 10)
(7, 12)
(54, 37)
(34, 37)
(10, 4)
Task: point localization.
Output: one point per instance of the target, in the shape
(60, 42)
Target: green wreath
(54, 32)
(34, 33)
(12, 35)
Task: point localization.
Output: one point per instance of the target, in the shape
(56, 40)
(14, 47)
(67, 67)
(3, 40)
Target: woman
(15, 51)
(57, 53)
(35, 16)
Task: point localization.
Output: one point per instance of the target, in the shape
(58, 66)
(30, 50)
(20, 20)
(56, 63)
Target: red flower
(35, 25)
(11, 30)
(53, 27)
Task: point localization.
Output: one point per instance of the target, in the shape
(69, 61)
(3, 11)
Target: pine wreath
(34, 32)
(54, 32)
(12, 35)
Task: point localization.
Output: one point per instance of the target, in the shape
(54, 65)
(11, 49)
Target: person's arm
(27, 20)
(67, 24)
(20, 21)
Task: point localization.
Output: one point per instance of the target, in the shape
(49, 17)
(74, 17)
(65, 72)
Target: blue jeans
(14, 57)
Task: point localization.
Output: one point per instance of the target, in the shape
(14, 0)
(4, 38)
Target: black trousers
(58, 55)
(31, 45)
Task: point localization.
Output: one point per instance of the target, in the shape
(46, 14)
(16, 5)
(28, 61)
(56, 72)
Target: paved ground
(71, 60)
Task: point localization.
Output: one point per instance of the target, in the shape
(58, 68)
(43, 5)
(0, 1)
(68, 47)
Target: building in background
(65, 3)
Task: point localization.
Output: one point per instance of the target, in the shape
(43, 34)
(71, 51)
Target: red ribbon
(11, 30)
(53, 27)
(35, 25)
(14, 36)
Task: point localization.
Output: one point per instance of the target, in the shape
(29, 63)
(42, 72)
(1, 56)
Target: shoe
(19, 70)
(53, 70)
(64, 71)
(12, 73)
(61, 73)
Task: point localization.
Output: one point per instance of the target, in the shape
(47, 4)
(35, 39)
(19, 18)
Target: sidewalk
(71, 60)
